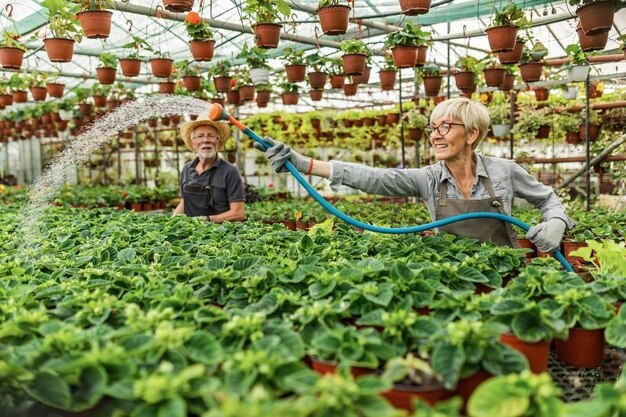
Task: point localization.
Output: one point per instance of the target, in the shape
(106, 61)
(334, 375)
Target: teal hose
(399, 230)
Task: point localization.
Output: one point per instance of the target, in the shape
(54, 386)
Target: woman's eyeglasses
(442, 129)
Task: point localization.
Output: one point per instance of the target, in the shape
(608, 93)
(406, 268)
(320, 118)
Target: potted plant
(36, 81)
(337, 76)
(188, 73)
(131, 63)
(509, 77)
(65, 30)
(106, 68)
(531, 66)
(470, 67)
(221, 76)
(333, 15)
(405, 43)
(99, 94)
(514, 56)
(264, 13)
(162, 65)
(530, 122)
(595, 16)
(594, 126)
(202, 43)
(570, 124)
(500, 120)
(388, 73)
(318, 64)
(53, 87)
(494, 74)
(18, 86)
(256, 58)
(502, 34)
(295, 65)
(11, 51)
(244, 84)
(577, 66)
(290, 94)
(354, 56)
(414, 7)
(264, 94)
(416, 123)
(178, 6)
(432, 78)
(591, 42)
(95, 21)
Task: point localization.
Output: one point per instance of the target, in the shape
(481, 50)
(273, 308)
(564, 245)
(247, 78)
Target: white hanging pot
(500, 130)
(577, 73)
(260, 75)
(571, 93)
(65, 114)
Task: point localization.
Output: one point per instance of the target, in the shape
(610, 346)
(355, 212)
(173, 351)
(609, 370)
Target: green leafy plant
(288, 87)
(326, 3)
(388, 64)
(576, 54)
(499, 114)
(136, 45)
(470, 63)
(293, 56)
(529, 121)
(354, 46)
(509, 15)
(317, 62)
(534, 54)
(184, 68)
(430, 70)
(107, 60)
(416, 120)
(12, 40)
(569, 122)
(410, 35)
(608, 256)
(221, 69)
(266, 11)
(94, 4)
(622, 40)
(255, 57)
(196, 28)
(62, 18)
(17, 82)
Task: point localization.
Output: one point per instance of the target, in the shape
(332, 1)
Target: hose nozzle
(217, 112)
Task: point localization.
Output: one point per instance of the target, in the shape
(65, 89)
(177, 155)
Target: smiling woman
(462, 181)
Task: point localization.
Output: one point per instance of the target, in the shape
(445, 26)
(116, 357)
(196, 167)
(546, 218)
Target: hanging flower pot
(191, 82)
(502, 38)
(582, 349)
(266, 35)
(295, 73)
(514, 56)
(334, 19)
(246, 92)
(494, 76)
(99, 101)
(317, 79)
(404, 56)
(178, 6)
(113, 104)
(387, 79)
(106, 75)
(38, 93)
(594, 131)
(414, 7)
(364, 77)
(263, 96)
(500, 130)
(590, 43)
(161, 67)
(223, 83)
(464, 80)
(11, 58)
(233, 97)
(353, 64)
(432, 85)
(290, 98)
(218, 100)
(578, 73)
(571, 93)
(130, 67)
(316, 94)
(596, 17)
(85, 109)
(507, 83)
(337, 80)
(420, 57)
(393, 118)
(260, 75)
(55, 89)
(6, 99)
(202, 50)
(20, 96)
(573, 138)
(531, 72)
(415, 134)
(59, 49)
(543, 132)
(96, 23)
(542, 94)
(350, 89)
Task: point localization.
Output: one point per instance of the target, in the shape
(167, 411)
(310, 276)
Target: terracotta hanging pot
(85, 109)
(596, 17)
(353, 64)
(20, 96)
(334, 19)
(223, 83)
(202, 50)
(233, 97)
(178, 6)
(99, 101)
(590, 43)
(415, 134)
(508, 83)
(191, 82)
(350, 89)
(531, 72)
(316, 94)
(387, 79)
(317, 79)
(130, 67)
(266, 35)
(290, 98)
(167, 87)
(106, 75)
(38, 93)
(542, 94)
(464, 80)
(59, 49)
(295, 73)
(404, 56)
(514, 56)
(6, 99)
(420, 57)
(594, 131)
(263, 96)
(573, 138)
(502, 38)
(161, 67)
(55, 89)
(432, 85)
(362, 78)
(494, 76)
(582, 349)
(11, 58)
(414, 7)
(337, 80)
(246, 92)
(96, 23)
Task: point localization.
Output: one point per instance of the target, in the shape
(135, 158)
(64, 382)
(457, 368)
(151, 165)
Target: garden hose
(217, 112)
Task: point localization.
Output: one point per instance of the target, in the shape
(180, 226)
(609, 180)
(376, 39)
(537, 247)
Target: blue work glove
(547, 235)
(278, 153)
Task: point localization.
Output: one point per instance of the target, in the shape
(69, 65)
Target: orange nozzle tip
(215, 111)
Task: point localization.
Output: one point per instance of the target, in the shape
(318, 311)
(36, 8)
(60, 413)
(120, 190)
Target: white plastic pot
(571, 93)
(260, 75)
(500, 130)
(65, 114)
(578, 73)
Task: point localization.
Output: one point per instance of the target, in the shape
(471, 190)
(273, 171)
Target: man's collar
(196, 161)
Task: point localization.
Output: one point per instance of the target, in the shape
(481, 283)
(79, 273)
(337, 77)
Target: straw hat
(186, 129)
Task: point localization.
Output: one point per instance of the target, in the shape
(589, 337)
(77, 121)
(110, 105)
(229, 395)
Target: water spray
(218, 112)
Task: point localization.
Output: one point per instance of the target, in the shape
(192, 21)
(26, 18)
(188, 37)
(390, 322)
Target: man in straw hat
(210, 186)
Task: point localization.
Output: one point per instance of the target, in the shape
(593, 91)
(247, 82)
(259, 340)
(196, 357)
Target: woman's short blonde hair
(472, 114)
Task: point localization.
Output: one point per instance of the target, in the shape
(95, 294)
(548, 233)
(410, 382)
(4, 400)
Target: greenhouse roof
(458, 29)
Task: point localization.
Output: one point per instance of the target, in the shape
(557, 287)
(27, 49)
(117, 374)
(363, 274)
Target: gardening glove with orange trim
(278, 153)
(547, 235)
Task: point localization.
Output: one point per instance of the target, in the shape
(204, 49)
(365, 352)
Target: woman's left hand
(547, 236)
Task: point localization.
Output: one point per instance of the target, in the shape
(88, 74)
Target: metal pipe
(587, 140)
(401, 121)
(554, 62)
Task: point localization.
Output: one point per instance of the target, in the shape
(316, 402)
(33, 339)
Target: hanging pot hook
(130, 25)
(317, 37)
(158, 11)
(9, 9)
(294, 22)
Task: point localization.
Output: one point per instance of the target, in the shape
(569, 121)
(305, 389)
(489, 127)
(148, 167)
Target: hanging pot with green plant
(405, 45)
(95, 21)
(467, 77)
(11, 51)
(494, 74)
(387, 74)
(355, 53)
(531, 66)
(318, 63)
(588, 43)
(431, 75)
(221, 76)
(162, 65)
(295, 65)
(256, 58)
(577, 66)
(595, 16)
(106, 68)
(290, 93)
(189, 75)
(264, 13)
(502, 34)
(55, 89)
(333, 15)
(131, 63)
(202, 44)
(65, 30)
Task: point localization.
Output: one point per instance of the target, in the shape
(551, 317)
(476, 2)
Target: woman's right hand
(278, 153)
